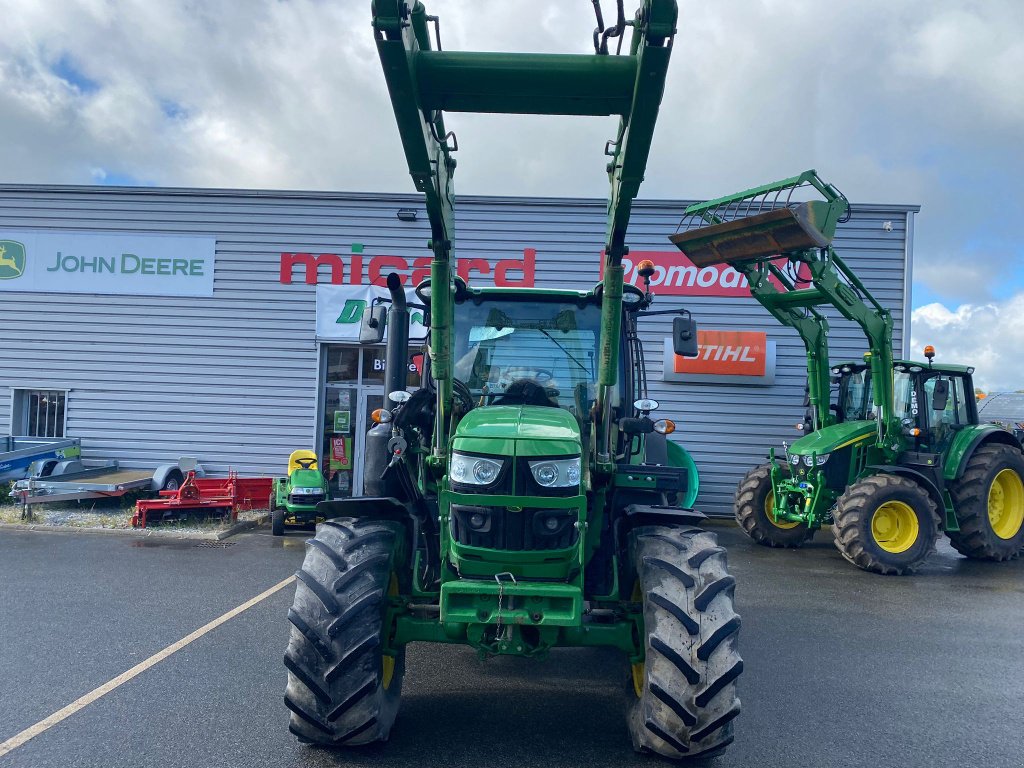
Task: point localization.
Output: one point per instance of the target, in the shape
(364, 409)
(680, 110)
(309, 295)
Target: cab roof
(941, 367)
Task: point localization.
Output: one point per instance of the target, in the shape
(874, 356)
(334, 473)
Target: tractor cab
(932, 402)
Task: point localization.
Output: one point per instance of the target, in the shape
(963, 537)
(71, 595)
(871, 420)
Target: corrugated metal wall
(233, 379)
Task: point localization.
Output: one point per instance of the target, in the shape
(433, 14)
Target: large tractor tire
(684, 692)
(341, 689)
(886, 524)
(989, 504)
(754, 503)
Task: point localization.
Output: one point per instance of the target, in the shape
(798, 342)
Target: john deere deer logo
(12, 259)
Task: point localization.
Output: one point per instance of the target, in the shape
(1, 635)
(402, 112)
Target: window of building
(39, 412)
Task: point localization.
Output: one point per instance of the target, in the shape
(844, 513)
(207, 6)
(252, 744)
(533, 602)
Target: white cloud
(987, 336)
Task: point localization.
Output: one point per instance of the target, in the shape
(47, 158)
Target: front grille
(306, 499)
(499, 528)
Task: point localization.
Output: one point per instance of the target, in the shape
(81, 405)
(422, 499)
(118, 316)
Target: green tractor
(526, 497)
(294, 499)
(898, 456)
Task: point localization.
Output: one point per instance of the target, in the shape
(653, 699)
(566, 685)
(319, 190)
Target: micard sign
(99, 263)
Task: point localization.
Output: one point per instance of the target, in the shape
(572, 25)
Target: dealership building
(223, 324)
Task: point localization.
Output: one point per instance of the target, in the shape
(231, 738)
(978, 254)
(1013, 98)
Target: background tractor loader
(900, 456)
(526, 497)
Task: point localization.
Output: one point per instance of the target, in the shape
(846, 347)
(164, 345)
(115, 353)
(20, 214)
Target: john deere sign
(84, 262)
(12, 259)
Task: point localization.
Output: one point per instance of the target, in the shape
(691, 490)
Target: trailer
(98, 480)
(50, 455)
(226, 496)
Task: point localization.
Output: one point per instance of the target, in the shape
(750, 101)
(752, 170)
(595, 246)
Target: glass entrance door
(354, 389)
(339, 431)
(347, 412)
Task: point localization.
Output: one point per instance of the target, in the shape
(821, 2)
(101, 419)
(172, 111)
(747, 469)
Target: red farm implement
(213, 496)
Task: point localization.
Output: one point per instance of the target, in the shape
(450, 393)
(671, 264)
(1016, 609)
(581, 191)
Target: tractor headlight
(474, 470)
(556, 473)
(820, 459)
(795, 459)
(306, 491)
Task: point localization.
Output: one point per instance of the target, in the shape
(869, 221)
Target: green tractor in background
(899, 457)
(526, 497)
(294, 499)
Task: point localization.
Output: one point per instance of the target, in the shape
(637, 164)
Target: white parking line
(62, 714)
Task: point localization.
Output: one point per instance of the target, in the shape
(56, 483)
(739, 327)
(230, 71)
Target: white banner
(83, 262)
(339, 310)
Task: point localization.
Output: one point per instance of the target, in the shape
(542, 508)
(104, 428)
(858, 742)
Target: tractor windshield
(541, 352)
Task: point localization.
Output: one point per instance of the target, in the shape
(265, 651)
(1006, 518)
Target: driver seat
(304, 454)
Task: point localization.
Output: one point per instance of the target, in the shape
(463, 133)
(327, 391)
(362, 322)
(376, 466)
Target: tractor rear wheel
(754, 505)
(342, 689)
(684, 692)
(989, 504)
(886, 524)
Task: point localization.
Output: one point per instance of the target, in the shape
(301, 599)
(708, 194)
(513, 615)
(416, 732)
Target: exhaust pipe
(397, 350)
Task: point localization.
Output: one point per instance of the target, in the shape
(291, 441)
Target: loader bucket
(765, 235)
(777, 219)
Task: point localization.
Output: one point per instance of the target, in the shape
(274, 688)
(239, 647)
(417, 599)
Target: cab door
(947, 409)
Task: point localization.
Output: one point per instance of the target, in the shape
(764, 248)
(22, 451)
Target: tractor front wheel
(989, 504)
(684, 692)
(343, 690)
(276, 515)
(886, 524)
(754, 509)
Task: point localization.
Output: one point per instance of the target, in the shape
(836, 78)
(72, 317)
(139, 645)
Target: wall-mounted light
(407, 214)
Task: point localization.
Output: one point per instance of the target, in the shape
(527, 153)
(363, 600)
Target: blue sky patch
(66, 70)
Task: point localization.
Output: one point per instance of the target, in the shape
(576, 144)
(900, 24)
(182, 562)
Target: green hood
(829, 439)
(305, 478)
(521, 430)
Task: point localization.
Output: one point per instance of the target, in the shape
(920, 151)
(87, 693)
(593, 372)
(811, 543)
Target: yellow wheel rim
(1006, 504)
(769, 508)
(387, 663)
(894, 526)
(637, 671)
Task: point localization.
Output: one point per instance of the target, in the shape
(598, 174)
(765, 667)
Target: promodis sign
(675, 275)
(724, 357)
(359, 268)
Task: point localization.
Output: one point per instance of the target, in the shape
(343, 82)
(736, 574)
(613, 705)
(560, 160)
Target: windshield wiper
(567, 352)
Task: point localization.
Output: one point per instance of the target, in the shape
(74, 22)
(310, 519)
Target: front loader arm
(424, 83)
(752, 230)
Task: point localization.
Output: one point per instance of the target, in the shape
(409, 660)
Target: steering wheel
(305, 463)
(462, 397)
(521, 372)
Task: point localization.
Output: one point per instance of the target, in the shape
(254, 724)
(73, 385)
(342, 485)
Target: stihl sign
(746, 357)
(358, 268)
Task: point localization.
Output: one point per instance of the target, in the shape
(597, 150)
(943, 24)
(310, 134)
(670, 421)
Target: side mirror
(940, 395)
(684, 336)
(371, 329)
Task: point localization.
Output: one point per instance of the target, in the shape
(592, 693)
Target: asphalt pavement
(842, 668)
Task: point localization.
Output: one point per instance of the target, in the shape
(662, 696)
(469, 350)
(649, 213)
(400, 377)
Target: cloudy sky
(895, 101)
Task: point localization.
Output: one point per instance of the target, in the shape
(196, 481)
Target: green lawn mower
(293, 499)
